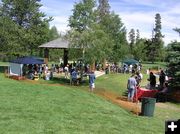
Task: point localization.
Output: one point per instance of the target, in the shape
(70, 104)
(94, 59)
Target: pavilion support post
(92, 66)
(104, 64)
(65, 57)
(46, 55)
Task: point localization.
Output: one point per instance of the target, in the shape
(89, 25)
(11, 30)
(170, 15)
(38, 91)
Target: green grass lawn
(117, 83)
(147, 65)
(4, 63)
(35, 108)
(3, 66)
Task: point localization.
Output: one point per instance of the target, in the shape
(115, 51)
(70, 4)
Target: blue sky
(137, 14)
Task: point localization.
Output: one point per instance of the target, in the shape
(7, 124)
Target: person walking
(131, 86)
(74, 77)
(92, 78)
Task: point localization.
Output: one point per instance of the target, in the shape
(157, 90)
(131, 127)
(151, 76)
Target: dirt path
(121, 101)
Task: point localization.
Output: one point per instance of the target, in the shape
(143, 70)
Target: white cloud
(171, 37)
(141, 2)
(61, 23)
(49, 10)
(145, 23)
(137, 14)
(61, 19)
(137, 19)
(144, 20)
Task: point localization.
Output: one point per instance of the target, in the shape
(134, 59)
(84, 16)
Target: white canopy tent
(15, 69)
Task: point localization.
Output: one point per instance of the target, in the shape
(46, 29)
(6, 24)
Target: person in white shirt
(130, 68)
(66, 71)
(139, 78)
(46, 69)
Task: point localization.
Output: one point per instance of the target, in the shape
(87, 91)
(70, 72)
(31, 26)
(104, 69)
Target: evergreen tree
(119, 43)
(137, 35)
(157, 41)
(32, 25)
(10, 37)
(53, 33)
(138, 47)
(139, 50)
(157, 29)
(132, 39)
(150, 50)
(54, 54)
(103, 8)
(154, 48)
(174, 64)
(177, 30)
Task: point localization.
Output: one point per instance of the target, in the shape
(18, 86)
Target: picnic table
(142, 92)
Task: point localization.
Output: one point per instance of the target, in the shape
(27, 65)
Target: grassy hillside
(117, 83)
(34, 108)
(156, 65)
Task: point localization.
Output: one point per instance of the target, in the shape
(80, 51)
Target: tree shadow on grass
(3, 68)
(62, 81)
(124, 96)
(125, 93)
(65, 81)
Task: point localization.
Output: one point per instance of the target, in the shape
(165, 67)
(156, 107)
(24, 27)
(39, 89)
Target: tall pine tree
(154, 48)
(53, 33)
(174, 64)
(137, 35)
(103, 8)
(32, 25)
(132, 39)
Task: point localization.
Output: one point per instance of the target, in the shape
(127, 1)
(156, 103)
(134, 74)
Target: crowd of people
(135, 80)
(36, 71)
(153, 82)
(75, 73)
(75, 78)
(71, 71)
(131, 68)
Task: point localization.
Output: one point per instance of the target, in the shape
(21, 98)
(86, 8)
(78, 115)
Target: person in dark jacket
(152, 79)
(162, 96)
(161, 79)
